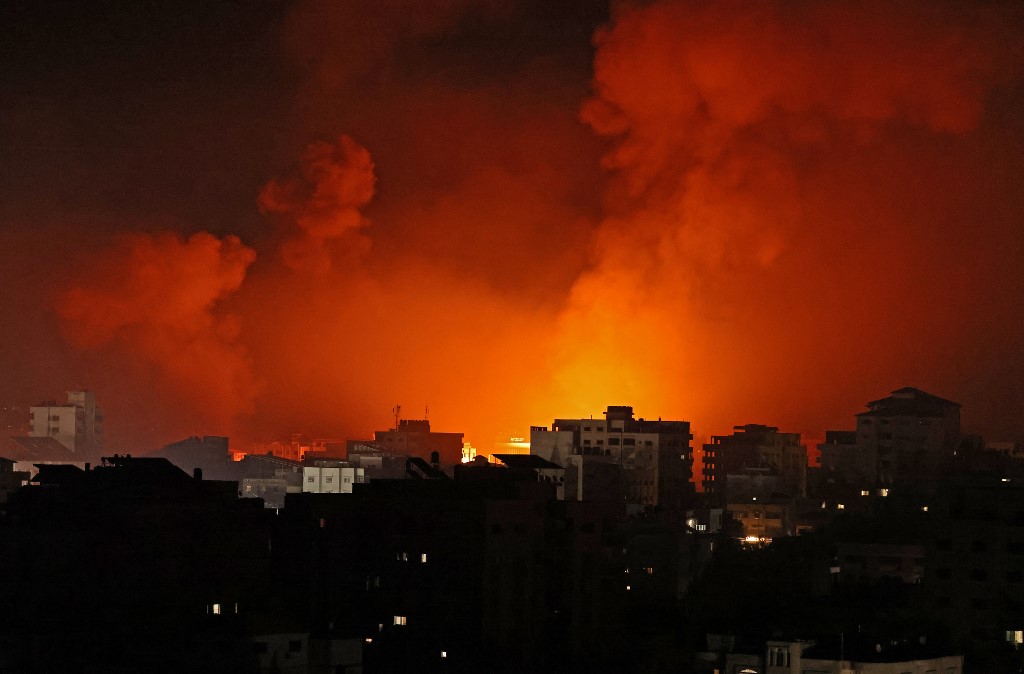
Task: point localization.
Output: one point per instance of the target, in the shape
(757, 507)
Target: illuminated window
(628, 588)
(1015, 637)
(400, 619)
(444, 654)
(423, 558)
(649, 570)
(883, 492)
(924, 509)
(216, 609)
(840, 506)
(865, 492)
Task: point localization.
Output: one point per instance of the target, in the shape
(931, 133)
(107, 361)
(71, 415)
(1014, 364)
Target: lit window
(216, 609)
(840, 506)
(423, 558)
(883, 492)
(865, 492)
(1015, 637)
(628, 588)
(924, 509)
(399, 619)
(649, 570)
(444, 654)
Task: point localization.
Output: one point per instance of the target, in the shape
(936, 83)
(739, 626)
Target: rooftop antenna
(426, 412)
(397, 409)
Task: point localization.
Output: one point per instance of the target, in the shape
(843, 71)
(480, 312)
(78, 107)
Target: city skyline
(250, 222)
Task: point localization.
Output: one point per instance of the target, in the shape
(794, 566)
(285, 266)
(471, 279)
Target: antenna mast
(397, 409)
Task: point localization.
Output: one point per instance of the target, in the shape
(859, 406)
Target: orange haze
(726, 212)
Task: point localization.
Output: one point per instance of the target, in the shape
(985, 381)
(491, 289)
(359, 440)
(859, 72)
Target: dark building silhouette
(755, 461)
(486, 572)
(907, 437)
(413, 437)
(133, 565)
(208, 452)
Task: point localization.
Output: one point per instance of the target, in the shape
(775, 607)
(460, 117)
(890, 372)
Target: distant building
(841, 454)
(654, 457)
(755, 461)
(269, 477)
(209, 453)
(913, 433)
(906, 437)
(78, 425)
(413, 437)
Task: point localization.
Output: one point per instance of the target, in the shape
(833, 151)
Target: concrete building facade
(78, 424)
(654, 456)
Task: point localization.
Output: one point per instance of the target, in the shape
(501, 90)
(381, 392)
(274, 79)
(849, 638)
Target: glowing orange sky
(723, 212)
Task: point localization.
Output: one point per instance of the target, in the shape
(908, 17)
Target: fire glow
(737, 197)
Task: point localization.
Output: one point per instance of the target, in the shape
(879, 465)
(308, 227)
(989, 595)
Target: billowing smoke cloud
(335, 180)
(157, 297)
(719, 211)
(736, 199)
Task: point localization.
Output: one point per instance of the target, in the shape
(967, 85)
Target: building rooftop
(525, 461)
(909, 401)
(27, 448)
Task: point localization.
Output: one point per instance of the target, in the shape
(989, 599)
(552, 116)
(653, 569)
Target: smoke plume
(731, 193)
(726, 212)
(322, 203)
(157, 297)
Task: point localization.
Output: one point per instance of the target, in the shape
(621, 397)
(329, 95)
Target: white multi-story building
(331, 478)
(78, 425)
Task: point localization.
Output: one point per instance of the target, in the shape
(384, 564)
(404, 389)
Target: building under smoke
(413, 437)
(653, 457)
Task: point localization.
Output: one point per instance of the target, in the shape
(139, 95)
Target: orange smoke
(746, 213)
(712, 278)
(323, 202)
(156, 297)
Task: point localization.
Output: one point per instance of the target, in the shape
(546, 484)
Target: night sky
(262, 218)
